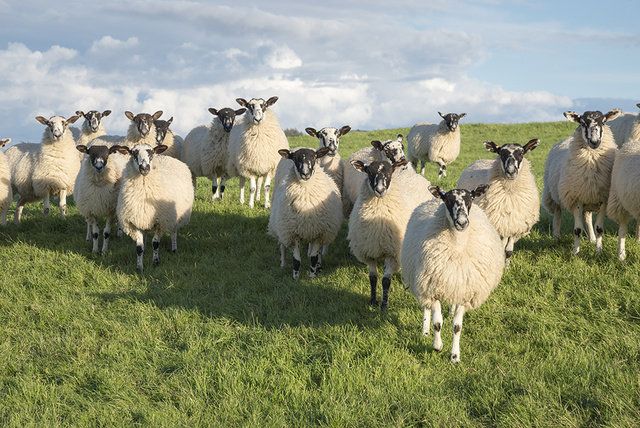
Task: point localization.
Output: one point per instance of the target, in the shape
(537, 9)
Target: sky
(368, 64)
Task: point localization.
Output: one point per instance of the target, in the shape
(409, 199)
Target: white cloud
(282, 58)
(108, 43)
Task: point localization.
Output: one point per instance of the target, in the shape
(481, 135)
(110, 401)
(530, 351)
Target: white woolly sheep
(165, 136)
(577, 174)
(156, 194)
(380, 216)
(512, 202)
(206, 148)
(438, 143)
(451, 253)
(96, 188)
(306, 207)
(92, 127)
(21, 158)
(625, 127)
(391, 150)
(142, 129)
(330, 137)
(253, 148)
(6, 193)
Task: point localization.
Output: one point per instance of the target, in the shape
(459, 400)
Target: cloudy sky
(370, 64)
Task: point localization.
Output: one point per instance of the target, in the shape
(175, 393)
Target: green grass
(219, 335)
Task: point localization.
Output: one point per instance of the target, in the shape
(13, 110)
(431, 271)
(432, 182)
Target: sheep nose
(144, 169)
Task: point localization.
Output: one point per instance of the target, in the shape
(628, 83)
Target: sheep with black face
(451, 253)
(92, 127)
(166, 137)
(306, 207)
(330, 137)
(142, 129)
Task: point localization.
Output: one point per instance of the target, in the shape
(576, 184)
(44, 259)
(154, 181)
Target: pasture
(219, 335)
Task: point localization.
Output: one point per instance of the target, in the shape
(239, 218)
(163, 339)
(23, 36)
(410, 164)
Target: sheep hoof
(373, 302)
(45, 211)
(384, 306)
(296, 275)
(622, 257)
(455, 358)
(156, 262)
(312, 274)
(267, 205)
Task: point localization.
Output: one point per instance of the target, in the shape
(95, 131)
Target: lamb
(577, 173)
(625, 126)
(6, 194)
(451, 253)
(306, 207)
(391, 150)
(97, 186)
(330, 137)
(439, 143)
(511, 202)
(165, 136)
(156, 194)
(92, 127)
(142, 129)
(57, 165)
(205, 149)
(380, 216)
(253, 147)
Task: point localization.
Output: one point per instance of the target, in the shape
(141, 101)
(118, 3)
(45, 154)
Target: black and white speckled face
(511, 155)
(227, 116)
(143, 121)
(256, 107)
(458, 204)
(141, 155)
(56, 125)
(98, 155)
(379, 174)
(93, 118)
(304, 160)
(329, 137)
(393, 149)
(452, 119)
(162, 126)
(591, 124)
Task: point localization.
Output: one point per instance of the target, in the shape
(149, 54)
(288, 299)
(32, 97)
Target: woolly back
(133, 136)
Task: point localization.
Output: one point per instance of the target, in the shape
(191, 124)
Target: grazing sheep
(97, 186)
(439, 143)
(577, 173)
(391, 150)
(625, 126)
(57, 165)
(451, 253)
(306, 207)
(511, 202)
(165, 136)
(92, 127)
(156, 194)
(253, 147)
(142, 129)
(205, 149)
(330, 137)
(6, 194)
(380, 216)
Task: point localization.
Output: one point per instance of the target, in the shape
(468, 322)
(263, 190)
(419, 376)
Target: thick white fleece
(57, 165)
(433, 142)
(205, 150)
(21, 158)
(6, 193)
(624, 127)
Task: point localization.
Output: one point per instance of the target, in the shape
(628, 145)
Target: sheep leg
(267, 190)
(282, 255)
(174, 241)
(321, 254)
(622, 236)
(259, 186)
(436, 321)
(223, 184)
(373, 283)
(19, 207)
(63, 202)
(95, 233)
(88, 238)
(389, 269)
(106, 235)
(4, 214)
(457, 332)
(252, 191)
(242, 182)
(215, 190)
(138, 236)
(426, 321)
(423, 167)
(47, 204)
(508, 250)
(557, 223)
(442, 170)
(577, 228)
(313, 259)
(155, 243)
(600, 227)
(296, 260)
(588, 224)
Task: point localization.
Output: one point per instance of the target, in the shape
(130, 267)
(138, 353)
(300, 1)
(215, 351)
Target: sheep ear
(42, 120)
(399, 138)
(284, 153)
(4, 142)
(311, 132)
(377, 145)
(461, 115)
(397, 164)
(160, 148)
(156, 115)
(572, 115)
(344, 130)
(532, 144)
(440, 114)
(71, 120)
(240, 111)
(479, 191)
(612, 115)
(170, 120)
(638, 105)
(81, 148)
(491, 146)
(129, 115)
(436, 192)
(271, 101)
(322, 152)
(242, 102)
(106, 113)
(120, 149)
(79, 113)
(359, 165)
(213, 111)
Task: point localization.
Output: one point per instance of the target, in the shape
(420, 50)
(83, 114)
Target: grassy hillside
(219, 335)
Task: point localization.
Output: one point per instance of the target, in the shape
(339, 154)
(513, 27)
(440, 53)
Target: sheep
(306, 207)
(379, 218)
(451, 253)
(625, 126)
(439, 143)
(155, 194)
(253, 147)
(205, 148)
(92, 127)
(392, 150)
(577, 173)
(21, 158)
(165, 136)
(330, 137)
(6, 193)
(96, 188)
(57, 164)
(142, 129)
(511, 202)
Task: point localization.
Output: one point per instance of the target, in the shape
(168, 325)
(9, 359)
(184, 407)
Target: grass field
(219, 335)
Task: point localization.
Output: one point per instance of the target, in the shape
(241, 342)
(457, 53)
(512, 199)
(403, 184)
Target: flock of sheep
(447, 249)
